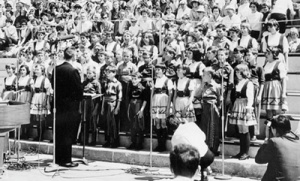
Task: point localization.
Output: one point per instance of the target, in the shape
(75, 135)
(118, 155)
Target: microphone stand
(223, 176)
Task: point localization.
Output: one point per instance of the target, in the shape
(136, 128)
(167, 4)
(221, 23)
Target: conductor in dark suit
(69, 93)
(281, 152)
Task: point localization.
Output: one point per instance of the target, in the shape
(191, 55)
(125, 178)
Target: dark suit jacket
(283, 157)
(68, 87)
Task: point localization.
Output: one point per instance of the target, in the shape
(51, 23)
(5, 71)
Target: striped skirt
(271, 97)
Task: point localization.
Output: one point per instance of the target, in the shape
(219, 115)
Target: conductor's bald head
(69, 53)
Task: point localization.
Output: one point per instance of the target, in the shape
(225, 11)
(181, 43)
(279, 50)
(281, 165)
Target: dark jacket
(68, 87)
(283, 157)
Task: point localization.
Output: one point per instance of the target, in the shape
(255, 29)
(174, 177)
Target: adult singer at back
(69, 93)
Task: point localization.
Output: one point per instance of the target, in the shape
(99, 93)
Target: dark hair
(10, 12)
(27, 69)
(273, 22)
(213, 49)
(151, 39)
(184, 160)
(195, 51)
(221, 26)
(282, 124)
(239, 49)
(255, 4)
(184, 67)
(215, 7)
(68, 53)
(254, 51)
(8, 20)
(10, 66)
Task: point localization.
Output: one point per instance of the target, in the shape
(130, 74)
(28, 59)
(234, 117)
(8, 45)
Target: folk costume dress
(25, 89)
(210, 116)
(160, 98)
(183, 87)
(271, 98)
(39, 103)
(10, 88)
(244, 97)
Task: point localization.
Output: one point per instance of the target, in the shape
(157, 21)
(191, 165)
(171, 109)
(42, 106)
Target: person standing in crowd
(276, 39)
(184, 91)
(246, 40)
(221, 41)
(25, 82)
(242, 113)
(232, 19)
(279, 13)
(40, 105)
(254, 19)
(280, 152)
(274, 93)
(10, 83)
(257, 77)
(111, 107)
(161, 102)
(210, 95)
(138, 96)
(91, 85)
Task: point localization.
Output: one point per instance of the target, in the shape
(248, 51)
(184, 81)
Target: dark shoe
(131, 147)
(114, 145)
(244, 157)
(204, 178)
(237, 156)
(69, 164)
(106, 145)
(139, 147)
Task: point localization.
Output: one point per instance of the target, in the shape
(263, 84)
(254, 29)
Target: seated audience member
(281, 152)
(294, 41)
(189, 133)
(184, 161)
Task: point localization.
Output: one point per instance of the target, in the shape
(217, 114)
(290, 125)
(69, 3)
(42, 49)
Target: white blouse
(249, 91)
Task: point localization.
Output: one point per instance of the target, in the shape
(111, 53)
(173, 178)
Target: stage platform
(247, 168)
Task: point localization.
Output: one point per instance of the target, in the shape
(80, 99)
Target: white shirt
(235, 20)
(273, 40)
(145, 25)
(244, 42)
(270, 66)
(160, 82)
(9, 80)
(281, 6)
(24, 80)
(47, 84)
(181, 85)
(189, 133)
(2, 21)
(182, 12)
(255, 19)
(244, 11)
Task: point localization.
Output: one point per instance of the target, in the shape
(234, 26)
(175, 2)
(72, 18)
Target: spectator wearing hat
(215, 19)
(134, 29)
(145, 23)
(244, 9)
(254, 19)
(294, 41)
(183, 9)
(280, 151)
(84, 24)
(11, 32)
(105, 24)
(121, 25)
(232, 19)
(195, 5)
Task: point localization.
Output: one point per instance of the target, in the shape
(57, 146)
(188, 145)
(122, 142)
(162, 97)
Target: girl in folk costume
(183, 96)
(242, 113)
(196, 70)
(148, 43)
(210, 95)
(25, 82)
(40, 107)
(274, 93)
(161, 101)
(10, 81)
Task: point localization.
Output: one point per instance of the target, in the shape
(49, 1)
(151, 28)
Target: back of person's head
(69, 53)
(184, 160)
(282, 124)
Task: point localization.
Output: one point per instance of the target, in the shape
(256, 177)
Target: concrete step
(247, 168)
(293, 99)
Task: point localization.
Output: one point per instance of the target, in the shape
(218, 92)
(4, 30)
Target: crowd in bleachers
(191, 59)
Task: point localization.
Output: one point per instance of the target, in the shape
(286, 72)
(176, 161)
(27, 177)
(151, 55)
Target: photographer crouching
(281, 152)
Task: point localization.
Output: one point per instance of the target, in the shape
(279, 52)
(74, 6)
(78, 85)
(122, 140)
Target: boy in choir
(111, 107)
(138, 96)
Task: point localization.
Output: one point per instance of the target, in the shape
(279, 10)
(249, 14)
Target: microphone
(65, 37)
